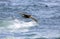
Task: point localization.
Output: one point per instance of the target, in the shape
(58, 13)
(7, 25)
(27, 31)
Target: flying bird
(29, 16)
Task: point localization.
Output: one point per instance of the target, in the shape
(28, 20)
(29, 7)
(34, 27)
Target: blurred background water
(14, 26)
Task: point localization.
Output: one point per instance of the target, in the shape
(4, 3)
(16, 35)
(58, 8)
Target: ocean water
(14, 26)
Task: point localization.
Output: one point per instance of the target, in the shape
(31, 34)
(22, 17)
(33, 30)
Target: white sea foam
(16, 24)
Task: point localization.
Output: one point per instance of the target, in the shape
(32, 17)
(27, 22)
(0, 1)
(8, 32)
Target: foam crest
(16, 24)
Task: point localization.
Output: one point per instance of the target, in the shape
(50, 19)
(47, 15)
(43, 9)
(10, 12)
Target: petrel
(29, 16)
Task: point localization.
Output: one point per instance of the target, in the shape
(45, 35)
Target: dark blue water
(14, 26)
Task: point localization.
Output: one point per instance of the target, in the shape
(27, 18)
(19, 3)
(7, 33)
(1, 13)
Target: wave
(21, 24)
(16, 24)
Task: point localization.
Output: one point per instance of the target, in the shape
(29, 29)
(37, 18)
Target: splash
(16, 24)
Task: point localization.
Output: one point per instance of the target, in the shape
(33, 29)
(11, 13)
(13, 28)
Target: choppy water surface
(14, 26)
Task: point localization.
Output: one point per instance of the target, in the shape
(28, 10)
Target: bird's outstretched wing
(34, 19)
(29, 17)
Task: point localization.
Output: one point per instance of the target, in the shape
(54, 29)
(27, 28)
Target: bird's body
(28, 16)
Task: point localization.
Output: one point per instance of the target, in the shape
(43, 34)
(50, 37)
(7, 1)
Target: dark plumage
(28, 16)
